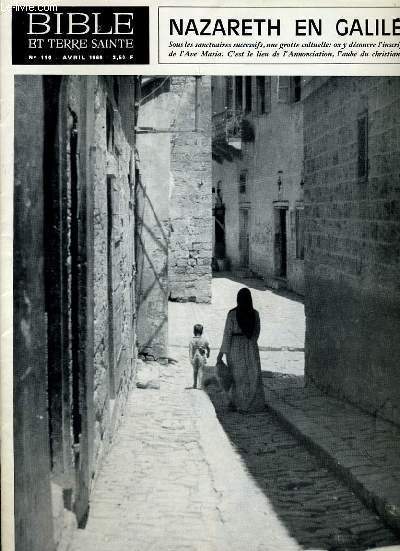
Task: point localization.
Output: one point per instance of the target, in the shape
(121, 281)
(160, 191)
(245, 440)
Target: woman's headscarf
(245, 314)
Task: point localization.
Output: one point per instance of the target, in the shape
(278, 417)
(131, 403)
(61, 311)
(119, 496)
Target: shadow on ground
(317, 510)
(259, 285)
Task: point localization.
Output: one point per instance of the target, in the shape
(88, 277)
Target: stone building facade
(113, 216)
(352, 209)
(101, 169)
(74, 282)
(258, 174)
(173, 141)
(306, 170)
(152, 173)
(190, 249)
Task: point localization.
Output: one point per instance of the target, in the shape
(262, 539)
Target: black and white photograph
(206, 313)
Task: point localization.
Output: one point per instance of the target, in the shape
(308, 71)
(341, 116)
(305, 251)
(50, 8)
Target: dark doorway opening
(219, 232)
(81, 499)
(55, 284)
(244, 237)
(280, 241)
(81, 321)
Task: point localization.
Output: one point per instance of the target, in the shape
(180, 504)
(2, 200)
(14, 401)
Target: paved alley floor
(282, 320)
(360, 448)
(184, 475)
(315, 507)
(172, 481)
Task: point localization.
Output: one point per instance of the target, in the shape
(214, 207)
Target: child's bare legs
(195, 375)
(196, 363)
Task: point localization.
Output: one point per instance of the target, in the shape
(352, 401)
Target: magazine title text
(273, 27)
(98, 34)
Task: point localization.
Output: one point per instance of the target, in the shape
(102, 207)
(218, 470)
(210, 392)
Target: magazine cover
(200, 267)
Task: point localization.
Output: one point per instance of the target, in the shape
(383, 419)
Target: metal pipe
(150, 130)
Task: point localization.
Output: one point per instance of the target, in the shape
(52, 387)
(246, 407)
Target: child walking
(199, 351)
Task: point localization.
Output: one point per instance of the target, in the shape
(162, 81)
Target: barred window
(229, 92)
(243, 182)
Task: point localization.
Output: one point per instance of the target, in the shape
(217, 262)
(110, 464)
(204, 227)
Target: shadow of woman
(317, 510)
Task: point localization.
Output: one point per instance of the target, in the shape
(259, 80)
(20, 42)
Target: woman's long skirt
(247, 392)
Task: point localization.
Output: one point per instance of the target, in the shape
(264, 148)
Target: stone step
(374, 478)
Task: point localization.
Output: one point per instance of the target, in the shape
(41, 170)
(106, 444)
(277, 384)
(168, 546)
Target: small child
(199, 351)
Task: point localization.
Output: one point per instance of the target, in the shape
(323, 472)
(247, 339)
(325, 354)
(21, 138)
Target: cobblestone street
(145, 208)
(179, 478)
(317, 509)
(281, 340)
(173, 481)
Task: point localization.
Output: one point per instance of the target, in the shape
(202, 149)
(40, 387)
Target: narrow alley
(281, 341)
(142, 204)
(179, 478)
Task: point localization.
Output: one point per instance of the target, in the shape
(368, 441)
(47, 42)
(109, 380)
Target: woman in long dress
(239, 344)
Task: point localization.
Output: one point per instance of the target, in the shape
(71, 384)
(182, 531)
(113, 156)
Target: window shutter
(283, 89)
(260, 82)
(229, 92)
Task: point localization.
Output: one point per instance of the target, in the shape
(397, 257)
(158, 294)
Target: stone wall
(277, 148)
(78, 163)
(112, 167)
(174, 233)
(190, 246)
(31, 439)
(153, 163)
(74, 302)
(107, 173)
(353, 242)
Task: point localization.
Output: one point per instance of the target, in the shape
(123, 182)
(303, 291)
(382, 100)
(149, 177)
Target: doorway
(280, 243)
(244, 237)
(81, 309)
(81, 503)
(219, 249)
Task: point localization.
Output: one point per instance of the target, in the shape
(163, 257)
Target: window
(238, 93)
(296, 89)
(267, 94)
(263, 87)
(260, 84)
(248, 88)
(300, 233)
(229, 92)
(242, 181)
(362, 143)
(289, 89)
